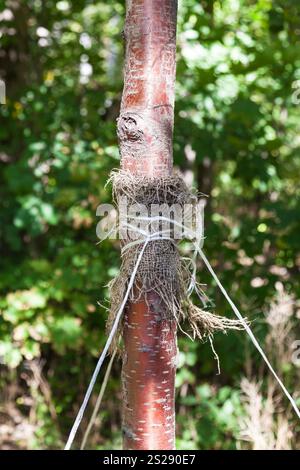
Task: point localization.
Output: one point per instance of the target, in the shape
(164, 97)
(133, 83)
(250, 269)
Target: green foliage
(236, 112)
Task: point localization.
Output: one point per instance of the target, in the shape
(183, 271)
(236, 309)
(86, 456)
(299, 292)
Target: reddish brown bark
(148, 375)
(145, 125)
(145, 130)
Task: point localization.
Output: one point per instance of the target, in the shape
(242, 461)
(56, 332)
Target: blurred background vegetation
(236, 139)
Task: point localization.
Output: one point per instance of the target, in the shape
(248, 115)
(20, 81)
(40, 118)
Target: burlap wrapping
(161, 269)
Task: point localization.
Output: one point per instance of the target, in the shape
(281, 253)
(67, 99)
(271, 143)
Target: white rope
(248, 330)
(113, 330)
(197, 245)
(99, 400)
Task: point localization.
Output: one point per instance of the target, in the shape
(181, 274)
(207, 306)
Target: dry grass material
(161, 270)
(264, 426)
(267, 424)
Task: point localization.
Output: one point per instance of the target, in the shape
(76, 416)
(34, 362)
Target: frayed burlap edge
(161, 269)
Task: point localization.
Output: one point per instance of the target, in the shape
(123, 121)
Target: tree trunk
(145, 131)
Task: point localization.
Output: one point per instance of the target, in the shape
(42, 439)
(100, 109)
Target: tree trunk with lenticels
(145, 131)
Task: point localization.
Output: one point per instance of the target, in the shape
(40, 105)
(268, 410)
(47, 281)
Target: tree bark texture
(145, 131)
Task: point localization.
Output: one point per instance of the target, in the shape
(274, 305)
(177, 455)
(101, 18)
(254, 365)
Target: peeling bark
(145, 131)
